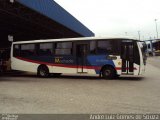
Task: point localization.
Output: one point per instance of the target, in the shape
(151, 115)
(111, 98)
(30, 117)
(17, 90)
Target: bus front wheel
(108, 72)
(43, 71)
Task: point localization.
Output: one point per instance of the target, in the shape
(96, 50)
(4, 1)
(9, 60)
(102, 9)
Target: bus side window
(104, 47)
(16, 50)
(92, 47)
(28, 50)
(45, 49)
(63, 48)
(116, 47)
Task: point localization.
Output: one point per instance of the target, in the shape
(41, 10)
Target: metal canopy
(37, 19)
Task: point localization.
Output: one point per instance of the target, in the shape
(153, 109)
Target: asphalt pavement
(26, 93)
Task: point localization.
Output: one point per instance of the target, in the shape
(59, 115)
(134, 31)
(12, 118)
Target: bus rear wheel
(108, 72)
(43, 71)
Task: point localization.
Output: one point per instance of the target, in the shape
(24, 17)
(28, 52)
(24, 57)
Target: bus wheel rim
(107, 72)
(42, 73)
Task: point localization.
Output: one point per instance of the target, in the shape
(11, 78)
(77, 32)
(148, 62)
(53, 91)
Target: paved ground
(154, 61)
(68, 94)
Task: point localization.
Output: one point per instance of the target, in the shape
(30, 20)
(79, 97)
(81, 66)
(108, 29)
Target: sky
(117, 17)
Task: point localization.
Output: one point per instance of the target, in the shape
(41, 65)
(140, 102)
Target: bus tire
(43, 71)
(108, 72)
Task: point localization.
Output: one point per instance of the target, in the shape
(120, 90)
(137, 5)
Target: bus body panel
(32, 67)
(22, 65)
(98, 61)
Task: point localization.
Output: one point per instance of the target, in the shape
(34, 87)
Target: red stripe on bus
(59, 65)
(119, 68)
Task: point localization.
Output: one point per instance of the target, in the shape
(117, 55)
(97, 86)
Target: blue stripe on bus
(99, 60)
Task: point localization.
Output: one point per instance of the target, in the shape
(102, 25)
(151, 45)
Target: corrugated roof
(55, 12)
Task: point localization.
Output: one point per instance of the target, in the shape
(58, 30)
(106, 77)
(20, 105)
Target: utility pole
(139, 35)
(156, 27)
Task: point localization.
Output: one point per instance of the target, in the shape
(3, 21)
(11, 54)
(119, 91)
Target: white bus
(107, 57)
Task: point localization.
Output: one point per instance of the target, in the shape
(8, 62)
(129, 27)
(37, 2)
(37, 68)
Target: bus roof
(75, 39)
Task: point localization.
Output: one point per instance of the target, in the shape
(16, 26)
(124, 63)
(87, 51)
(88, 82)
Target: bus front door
(127, 55)
(81, 53)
